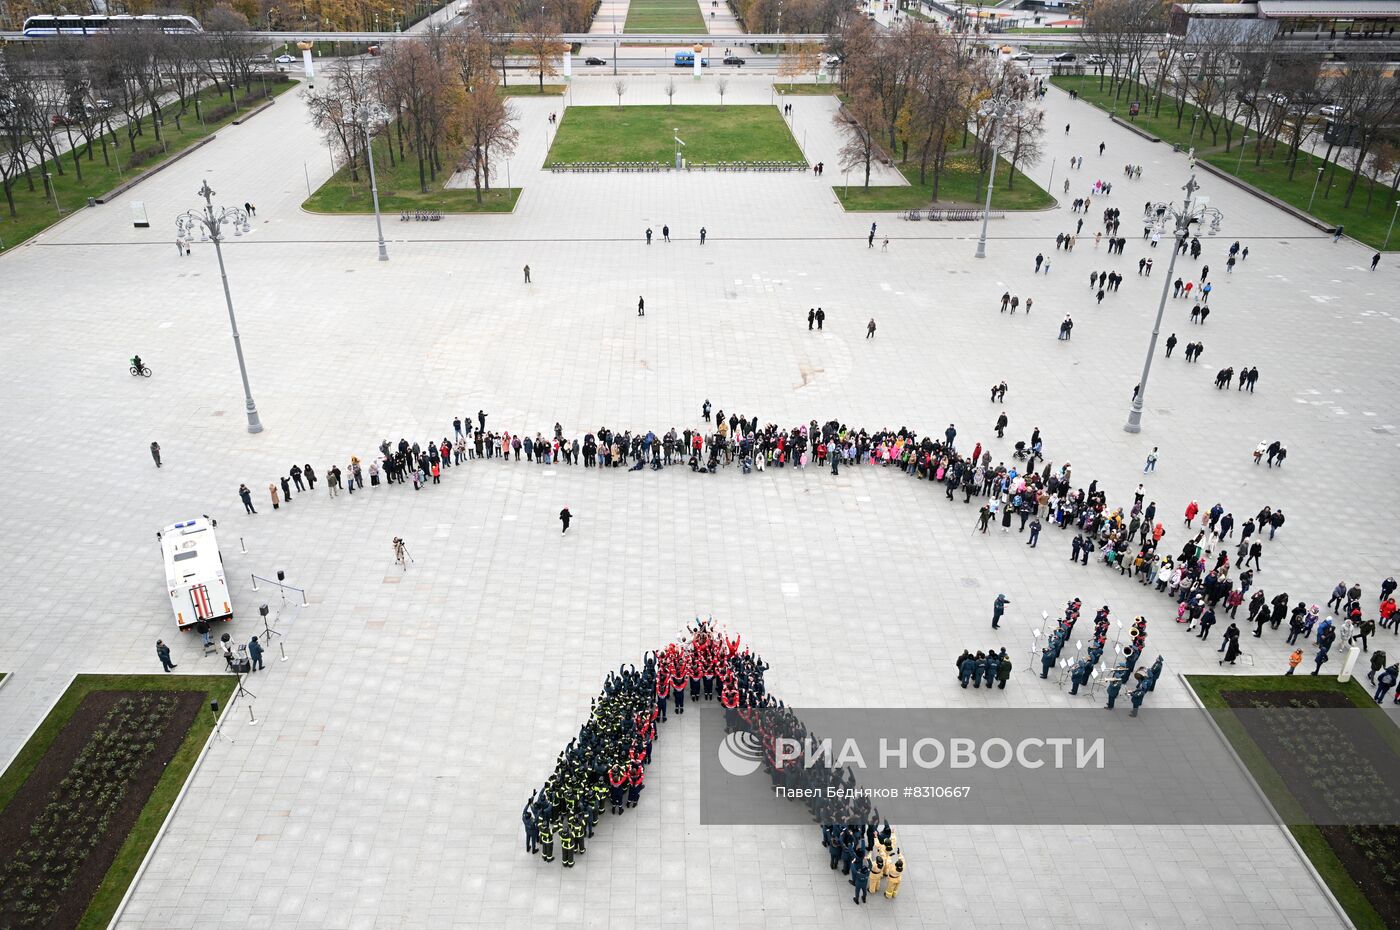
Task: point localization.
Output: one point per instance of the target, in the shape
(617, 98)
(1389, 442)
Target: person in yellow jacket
(877, 870)
(894, 871)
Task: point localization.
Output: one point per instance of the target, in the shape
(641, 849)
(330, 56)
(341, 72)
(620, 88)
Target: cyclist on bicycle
(136, 363)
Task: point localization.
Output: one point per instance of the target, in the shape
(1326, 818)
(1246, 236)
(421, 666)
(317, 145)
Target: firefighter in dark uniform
(835, 847)
(546, 828)
(1139, 693)
(532, 830)
(860, 875)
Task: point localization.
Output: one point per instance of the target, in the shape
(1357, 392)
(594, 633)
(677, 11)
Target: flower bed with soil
(84, 798)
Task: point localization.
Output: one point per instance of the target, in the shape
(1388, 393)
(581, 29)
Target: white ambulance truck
(194, 573)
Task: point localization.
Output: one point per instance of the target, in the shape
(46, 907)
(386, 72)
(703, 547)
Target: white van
(194, 573)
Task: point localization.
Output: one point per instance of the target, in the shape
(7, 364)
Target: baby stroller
(1020, 452)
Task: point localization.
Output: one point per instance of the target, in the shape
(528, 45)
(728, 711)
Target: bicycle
(140, 371)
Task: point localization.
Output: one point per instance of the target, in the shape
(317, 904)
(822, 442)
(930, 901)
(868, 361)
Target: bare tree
(1371, 96)
(859, 122)
(229, 50)
(488, 130)
(17, 104)
(670, 89)
(545, 47)
(1022, 137)
(345, 90)
(621, 88)
(722, 85)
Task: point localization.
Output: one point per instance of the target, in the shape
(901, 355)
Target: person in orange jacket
(1294, 661)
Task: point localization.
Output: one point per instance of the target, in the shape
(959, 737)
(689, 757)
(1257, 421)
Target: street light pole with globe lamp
(210, 225)
(1185, 216)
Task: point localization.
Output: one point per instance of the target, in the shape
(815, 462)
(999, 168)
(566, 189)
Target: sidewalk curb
(132, 182)
(1337, 908)
(252, 113)
(1132, 128)
(170, 815)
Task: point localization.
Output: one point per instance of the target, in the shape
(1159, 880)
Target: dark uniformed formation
(977, 668)
(604, 766)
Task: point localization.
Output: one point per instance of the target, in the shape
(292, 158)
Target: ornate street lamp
(996, 108)
(210, 223)
(1190, 213)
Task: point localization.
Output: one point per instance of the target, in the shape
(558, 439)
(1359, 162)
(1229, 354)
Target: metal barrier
(279, 584)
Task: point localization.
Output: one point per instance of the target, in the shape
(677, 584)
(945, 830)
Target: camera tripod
(401, 554)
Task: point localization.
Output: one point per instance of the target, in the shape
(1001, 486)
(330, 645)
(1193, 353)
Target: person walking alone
(564, 518)
(155, 453)
(870, 329)
(163, 653)
(641, 307)
(527, 274)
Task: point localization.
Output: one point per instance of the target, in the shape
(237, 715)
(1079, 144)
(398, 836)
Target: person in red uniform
(636, 776)
(617, 787)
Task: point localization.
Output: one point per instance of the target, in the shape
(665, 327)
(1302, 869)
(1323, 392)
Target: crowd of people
(1204, 575)
(605, 765)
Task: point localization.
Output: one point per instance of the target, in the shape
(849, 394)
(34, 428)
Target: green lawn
(961, 185)
(35, 209)
(119, 876)
(824, 89)
(664, 16)
(532, 90)
(398, 190)
(747, 133)
(1310, 838)
(1270, 175)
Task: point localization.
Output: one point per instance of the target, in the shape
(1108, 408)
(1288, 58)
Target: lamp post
(1186, 215)
(1314, 190)
(210, 225)
(1391, 228)
(366, 116)
(1244, 140)
(995, 108)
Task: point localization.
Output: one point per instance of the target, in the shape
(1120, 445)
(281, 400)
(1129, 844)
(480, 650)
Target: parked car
(1333, 109)
(1189, 56)
(1065, 56)
(1022, 56)
(734, 60)
(1278, 100)
(592, 60)
(284, 59)
(260, 59)
(833, 61)
(69, 118)
(1096, 60)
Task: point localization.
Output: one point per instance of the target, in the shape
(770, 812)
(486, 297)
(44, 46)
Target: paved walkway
(719, 18)
(383, 784)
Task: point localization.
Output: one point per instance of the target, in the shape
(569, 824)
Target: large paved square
(382, 784)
